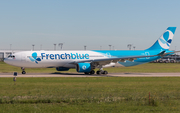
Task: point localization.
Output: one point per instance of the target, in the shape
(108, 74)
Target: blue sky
(93, 23)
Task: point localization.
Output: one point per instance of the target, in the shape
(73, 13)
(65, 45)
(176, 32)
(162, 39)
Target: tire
(23, 72)
(105, 72)
(98, 72)
(92, 72)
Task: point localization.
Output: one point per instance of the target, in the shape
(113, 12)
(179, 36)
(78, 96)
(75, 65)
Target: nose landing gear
(23, 70)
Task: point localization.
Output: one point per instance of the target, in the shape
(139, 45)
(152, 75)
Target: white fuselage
(53, 58)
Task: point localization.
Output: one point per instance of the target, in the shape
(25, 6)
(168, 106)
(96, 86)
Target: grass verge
(102, 94)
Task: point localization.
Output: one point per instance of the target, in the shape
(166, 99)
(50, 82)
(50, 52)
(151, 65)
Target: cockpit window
(11, 56)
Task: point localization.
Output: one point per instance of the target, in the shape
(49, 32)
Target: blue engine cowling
(83, 67)
(62, 69)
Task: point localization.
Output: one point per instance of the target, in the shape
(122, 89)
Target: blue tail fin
(165, 40)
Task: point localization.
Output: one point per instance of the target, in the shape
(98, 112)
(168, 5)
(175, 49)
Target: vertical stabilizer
(165, 40)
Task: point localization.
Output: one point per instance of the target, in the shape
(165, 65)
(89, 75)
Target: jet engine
(83, 67)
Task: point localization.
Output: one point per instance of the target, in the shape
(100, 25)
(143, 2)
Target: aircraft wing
(105, 61)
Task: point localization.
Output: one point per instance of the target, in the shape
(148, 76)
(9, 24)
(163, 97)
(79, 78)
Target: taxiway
(82, 75)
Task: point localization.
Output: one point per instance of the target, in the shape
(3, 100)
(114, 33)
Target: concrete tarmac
(82, 75)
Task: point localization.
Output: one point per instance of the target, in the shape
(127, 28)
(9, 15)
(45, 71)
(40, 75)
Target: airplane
(87, 60)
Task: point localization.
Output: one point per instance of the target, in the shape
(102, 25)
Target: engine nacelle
(83, 67)
(62, 69)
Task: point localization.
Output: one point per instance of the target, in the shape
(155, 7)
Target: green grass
(102, 94)
(144, 68)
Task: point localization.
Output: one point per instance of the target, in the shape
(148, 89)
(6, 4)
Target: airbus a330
(87, 61)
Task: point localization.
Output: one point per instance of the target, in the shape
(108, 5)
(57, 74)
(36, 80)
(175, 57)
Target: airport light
(134, 47)
(110, 47)
(33, 46)
(85, 47)
(60, 44)
(129, 46)
(54, 46)
(100, 47)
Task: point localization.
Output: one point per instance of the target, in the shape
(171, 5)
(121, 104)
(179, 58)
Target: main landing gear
(23, 70)
(99, 72)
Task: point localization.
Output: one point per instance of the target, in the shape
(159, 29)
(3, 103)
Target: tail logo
(34, 58)
(166, 39)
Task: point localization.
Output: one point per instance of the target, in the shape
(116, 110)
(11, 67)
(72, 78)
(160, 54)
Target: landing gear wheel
(105, 72)
(92, 72)
(99, 72)
(23, 72)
